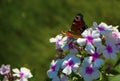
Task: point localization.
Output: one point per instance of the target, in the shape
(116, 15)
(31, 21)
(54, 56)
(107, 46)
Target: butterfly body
(77, 27)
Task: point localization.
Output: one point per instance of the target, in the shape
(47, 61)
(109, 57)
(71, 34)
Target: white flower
(5, 69)
(22, 79)
(115, 38)
(89, 72)
(112, 37)
(23, 73)
(110, 51)
(70, 62)
(116, 35)
(54, 67)
(61, 78)
(103, 28)
(56, 78)
(91, 39)
(94, 59)
(59, 40)
(70, 46)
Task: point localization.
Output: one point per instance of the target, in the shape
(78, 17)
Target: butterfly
(77, 27)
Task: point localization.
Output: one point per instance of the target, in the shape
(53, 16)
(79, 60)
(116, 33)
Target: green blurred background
(27, 25)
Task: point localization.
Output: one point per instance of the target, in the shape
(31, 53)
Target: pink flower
(70, 63)
(59, 40)
(91, 39)
(110, 51)
(70, 46)
(103, 28)
(23, 73)
(54, 68)
(5, 69)
(94, 59)
(88, 71)
(62, 77)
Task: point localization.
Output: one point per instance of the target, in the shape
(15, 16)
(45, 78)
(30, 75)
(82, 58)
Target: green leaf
(114, 72)
(117, 63)
(104, 77)
(115, 78)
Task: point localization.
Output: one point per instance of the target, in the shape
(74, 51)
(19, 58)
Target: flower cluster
(17, 75)
(84, 56)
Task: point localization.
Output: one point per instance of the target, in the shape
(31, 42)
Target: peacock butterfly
(77, 27)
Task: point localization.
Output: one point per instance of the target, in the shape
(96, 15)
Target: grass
(27, 25)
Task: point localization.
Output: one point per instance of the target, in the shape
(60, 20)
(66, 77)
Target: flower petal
(67, 70)
(73, 51)
(89, 47)
(113, 56)
(52, 40)
(97, 42)
(86, 32)
(63, 78)
(105, 54)
(96, 74)
(51, 74)
(75, 68)
(15, 70)
(95, 34)
(81, 41)
(56, 79)
(98, 62)
(88, 78)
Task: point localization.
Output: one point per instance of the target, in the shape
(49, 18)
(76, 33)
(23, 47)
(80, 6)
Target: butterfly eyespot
(77, 18)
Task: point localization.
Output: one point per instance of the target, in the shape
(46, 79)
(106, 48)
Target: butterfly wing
(69, 33)
(77, 27)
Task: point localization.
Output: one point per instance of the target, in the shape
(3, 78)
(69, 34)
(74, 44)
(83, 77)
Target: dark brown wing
(78, 25)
